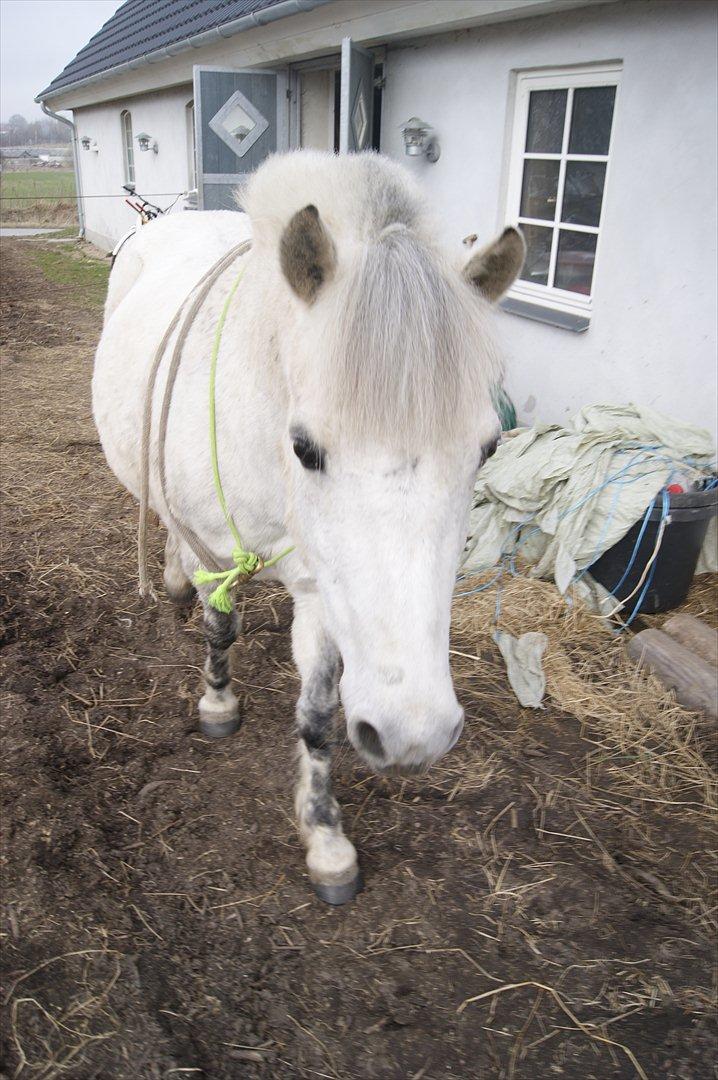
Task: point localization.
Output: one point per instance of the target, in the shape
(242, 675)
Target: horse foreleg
(331, 858)
(218, 707)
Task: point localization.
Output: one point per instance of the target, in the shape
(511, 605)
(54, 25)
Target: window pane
(129, 154)
(547, 110)
(591, 120)
(538, 253)
(583, 192)
(238, 123)
(538, 195)
(574, 264)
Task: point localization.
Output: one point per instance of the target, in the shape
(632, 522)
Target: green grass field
(38, 196)
(86, 276)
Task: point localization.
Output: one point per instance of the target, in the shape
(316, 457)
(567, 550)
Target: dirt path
(156, 917)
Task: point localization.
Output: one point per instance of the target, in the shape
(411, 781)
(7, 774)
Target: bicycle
(147, 212)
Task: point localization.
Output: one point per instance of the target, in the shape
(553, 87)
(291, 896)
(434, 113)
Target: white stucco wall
(163, 116)
(652, 337)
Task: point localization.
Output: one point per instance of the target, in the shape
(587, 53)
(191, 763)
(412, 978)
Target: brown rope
(204, 555)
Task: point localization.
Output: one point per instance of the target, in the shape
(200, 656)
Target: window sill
(564, 320)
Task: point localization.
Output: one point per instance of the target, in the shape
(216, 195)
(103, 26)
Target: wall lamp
(85, 142)
(146, 142)
(419, 138)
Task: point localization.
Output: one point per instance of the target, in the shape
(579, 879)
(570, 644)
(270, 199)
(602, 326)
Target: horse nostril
(369, 739)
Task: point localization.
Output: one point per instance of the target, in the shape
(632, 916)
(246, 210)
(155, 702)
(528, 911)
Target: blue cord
(636, 546)
(665, 511)
(629, 567)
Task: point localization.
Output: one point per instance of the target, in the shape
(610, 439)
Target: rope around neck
(181, 321)
(246, 563)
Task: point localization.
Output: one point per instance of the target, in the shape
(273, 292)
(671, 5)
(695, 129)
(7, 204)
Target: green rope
(246, 563)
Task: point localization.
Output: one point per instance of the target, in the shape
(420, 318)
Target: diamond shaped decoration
(239, 124)
(360, 119)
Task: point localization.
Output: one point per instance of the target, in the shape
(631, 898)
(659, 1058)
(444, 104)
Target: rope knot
(246, 565)
(246, 562)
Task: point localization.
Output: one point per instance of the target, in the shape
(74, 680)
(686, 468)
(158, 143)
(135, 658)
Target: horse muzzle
(399, 748)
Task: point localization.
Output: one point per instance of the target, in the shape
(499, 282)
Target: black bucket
(677, 558)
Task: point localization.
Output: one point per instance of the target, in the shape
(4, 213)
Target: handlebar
(142, 206)
(147, 210)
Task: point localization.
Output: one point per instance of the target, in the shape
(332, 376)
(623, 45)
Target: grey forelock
(406, 345)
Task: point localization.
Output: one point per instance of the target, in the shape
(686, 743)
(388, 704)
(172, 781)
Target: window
(557, 182)
(191, 147)
(239, 124)
(128, 150)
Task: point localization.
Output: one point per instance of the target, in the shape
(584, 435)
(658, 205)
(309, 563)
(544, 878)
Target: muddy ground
(157, 920)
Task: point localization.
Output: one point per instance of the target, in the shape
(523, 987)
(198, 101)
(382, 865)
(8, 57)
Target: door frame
(327, 62)
(283, 120)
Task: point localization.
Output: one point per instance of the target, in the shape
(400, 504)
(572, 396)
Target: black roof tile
(142, 26)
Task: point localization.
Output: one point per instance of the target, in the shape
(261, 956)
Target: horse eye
(310, 455)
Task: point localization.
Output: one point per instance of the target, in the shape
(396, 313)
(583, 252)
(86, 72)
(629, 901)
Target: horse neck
(254, 329)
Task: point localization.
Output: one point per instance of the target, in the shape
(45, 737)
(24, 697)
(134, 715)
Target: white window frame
(128, 150)
(569, 78)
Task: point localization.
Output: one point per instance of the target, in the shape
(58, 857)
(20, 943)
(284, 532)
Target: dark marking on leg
(322, 807)
(218, 708)
(220, 630)
(331, 857)
(216, 671)
(318, 703)
(316, 709)
(220, 633)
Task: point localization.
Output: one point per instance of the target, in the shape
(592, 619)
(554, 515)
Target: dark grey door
(356, 114)
(240, 118)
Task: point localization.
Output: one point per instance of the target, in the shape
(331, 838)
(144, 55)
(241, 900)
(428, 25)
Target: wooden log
(694, 680)
(695, 635)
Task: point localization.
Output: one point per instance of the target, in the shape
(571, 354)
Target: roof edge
(281, 10)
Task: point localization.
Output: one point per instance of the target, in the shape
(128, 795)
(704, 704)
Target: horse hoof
(218, 729)
(218, 725)
(339, 894)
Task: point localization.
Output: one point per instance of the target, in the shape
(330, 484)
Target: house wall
(157, 176)
(652, 337)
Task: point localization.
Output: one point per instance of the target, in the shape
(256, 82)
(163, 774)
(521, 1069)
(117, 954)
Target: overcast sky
(37, 39)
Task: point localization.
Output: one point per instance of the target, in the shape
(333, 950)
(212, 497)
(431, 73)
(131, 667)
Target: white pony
(354, 407)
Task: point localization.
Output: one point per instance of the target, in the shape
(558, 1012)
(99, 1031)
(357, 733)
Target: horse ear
(494, 269)
(307, 253)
